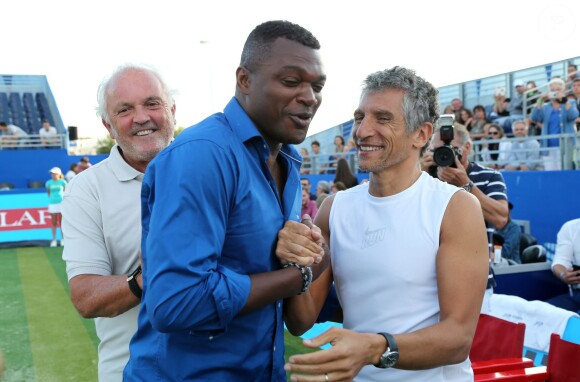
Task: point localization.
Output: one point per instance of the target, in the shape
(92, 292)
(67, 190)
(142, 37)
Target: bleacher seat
(4, 108)
(16, 108)
(43, 109)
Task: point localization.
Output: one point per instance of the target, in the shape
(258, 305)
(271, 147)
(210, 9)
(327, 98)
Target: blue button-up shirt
(211, 216)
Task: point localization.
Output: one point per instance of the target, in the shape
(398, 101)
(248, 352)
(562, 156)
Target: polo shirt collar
(123, 172)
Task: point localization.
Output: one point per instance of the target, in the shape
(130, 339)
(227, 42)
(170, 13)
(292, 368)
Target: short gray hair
(109, 81)
(420, 102)
(324, 186)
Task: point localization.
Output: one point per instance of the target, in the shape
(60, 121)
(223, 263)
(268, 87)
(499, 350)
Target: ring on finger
(326, 377)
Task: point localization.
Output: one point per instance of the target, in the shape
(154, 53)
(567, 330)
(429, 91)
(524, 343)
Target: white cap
(55, 170)
(519, 83)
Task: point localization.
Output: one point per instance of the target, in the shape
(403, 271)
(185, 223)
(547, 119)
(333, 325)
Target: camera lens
(444, 156)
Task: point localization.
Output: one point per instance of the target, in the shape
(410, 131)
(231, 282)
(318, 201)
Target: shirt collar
(123, 172)
(245, 129)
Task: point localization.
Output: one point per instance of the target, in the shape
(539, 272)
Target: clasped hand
(300, 243)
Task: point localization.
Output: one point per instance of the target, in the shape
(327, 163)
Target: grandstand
(25, 100)
(475, 92)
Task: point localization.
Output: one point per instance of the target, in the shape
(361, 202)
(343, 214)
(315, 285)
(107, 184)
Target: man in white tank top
(408, 253)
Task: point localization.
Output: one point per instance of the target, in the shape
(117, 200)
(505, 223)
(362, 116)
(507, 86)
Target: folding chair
(498, 345)
(563, 366)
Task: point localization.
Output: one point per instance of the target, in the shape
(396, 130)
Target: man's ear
(243, 80)
(423, 135)
(108, 127)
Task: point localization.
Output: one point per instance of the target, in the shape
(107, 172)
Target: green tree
(104, 145)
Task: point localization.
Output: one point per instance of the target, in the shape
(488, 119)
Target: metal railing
(566, 156)
(32, 141)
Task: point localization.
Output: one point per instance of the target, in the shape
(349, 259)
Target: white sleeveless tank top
(383, 260)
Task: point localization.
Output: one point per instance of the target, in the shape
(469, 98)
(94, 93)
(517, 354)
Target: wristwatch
(467, 187)
(133, 285)
(391, 355)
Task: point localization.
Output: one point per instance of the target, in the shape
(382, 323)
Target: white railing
(569, 158)
(32, 141)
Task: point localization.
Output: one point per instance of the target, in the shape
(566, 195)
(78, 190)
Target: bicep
(462, 259)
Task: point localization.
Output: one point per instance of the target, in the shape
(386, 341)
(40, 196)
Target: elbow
(500, 222)
(84, 309)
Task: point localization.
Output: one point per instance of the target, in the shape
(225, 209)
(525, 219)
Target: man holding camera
(485, 183)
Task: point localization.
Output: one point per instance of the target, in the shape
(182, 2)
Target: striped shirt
(492, 184)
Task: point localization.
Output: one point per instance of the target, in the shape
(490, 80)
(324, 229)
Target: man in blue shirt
(213, 204)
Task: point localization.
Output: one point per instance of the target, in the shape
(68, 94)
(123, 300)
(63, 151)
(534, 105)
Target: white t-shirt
(101, 215)
(16, 131)
(48, 136)
(383, 259)
(568, 244)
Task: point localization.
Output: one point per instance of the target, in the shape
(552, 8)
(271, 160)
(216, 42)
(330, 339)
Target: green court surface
(42, 337)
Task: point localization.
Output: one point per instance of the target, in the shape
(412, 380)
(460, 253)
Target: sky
(196, 45)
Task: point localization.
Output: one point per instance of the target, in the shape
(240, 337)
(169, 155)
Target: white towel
(541, 319)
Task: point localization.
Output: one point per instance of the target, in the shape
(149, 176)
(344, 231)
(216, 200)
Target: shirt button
(210, 338)
(274, 348)
(279, 305)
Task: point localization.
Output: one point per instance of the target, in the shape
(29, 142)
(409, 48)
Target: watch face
(391, 359)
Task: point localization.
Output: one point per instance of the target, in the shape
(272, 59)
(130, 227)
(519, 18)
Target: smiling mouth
(367, 149)
(144, 132)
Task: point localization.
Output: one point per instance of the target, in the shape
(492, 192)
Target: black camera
(444, 156)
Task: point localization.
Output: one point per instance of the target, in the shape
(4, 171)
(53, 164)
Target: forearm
(267, 288)
(441, 344)
(494, 212)
(301, 311)
(101, 296)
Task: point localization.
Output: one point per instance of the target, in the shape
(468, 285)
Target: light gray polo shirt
(101, 219)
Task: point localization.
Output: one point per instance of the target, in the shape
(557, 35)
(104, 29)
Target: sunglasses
(494, 133)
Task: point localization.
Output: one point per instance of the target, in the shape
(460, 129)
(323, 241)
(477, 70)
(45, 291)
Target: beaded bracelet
(306, 273)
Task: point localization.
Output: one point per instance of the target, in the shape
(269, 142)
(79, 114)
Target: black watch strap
(133, 285)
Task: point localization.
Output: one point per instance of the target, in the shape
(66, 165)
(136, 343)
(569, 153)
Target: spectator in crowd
(532, 96)
(509, 109)
(566, 265)
(486, 184)
(466, 118)
(337, 154)
(72, 171)
(319, 161)
(212, 303)
(308, 206)
(305, 183)
(83, 164)
(337, 186)
(306, 165)
(524, 153)
(102, 211)
(457, 105)
(557, 117)
(476, 126)
(449, 110)
(510, 235)
(344, 175)
(322, 192)
(55, 187)
(573, 74)
(12, 135)
(576, 95)
(391, 223)
(496, 153)
(48, 134)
